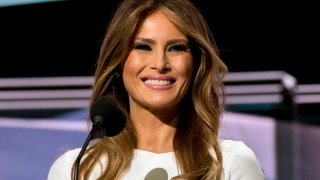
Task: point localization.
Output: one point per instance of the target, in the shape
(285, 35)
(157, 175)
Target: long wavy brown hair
(196, 145)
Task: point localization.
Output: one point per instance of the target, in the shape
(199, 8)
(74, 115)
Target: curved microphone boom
(105, 117)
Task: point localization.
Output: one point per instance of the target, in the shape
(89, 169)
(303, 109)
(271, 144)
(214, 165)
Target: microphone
(105, 116)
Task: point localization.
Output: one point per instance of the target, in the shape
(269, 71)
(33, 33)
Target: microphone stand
(97, 122)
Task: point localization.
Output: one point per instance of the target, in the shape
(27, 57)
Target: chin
(162, 105)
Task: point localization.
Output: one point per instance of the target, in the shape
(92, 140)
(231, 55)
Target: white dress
(239, 163)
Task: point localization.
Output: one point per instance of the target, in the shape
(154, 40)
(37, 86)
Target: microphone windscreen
(114, 120)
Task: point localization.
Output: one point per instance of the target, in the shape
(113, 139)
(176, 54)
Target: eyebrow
(171, 41)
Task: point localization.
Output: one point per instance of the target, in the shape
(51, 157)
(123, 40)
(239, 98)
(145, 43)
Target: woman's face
(158, 70)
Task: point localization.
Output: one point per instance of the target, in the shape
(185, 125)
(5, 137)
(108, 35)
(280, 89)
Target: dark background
(63, 38)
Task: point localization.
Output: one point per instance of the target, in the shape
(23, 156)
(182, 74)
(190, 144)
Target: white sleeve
(61, 168)
(244, 164)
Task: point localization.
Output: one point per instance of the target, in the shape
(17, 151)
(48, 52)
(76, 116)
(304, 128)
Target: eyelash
(174, 48)
(142, 47)
(178, 48)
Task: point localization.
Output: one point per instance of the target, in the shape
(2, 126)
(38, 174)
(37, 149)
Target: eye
(178, 48)
(144, 47)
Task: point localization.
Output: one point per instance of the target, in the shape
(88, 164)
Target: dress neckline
(140, 151)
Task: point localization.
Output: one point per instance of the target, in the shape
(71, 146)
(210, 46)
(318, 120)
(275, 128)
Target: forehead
(159, 25)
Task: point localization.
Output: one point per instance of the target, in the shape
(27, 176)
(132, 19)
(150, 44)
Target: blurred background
(48, 54)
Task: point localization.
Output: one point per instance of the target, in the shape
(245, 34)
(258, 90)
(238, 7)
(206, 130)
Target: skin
(157, 75)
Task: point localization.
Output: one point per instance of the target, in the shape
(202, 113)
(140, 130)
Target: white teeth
(157, 82)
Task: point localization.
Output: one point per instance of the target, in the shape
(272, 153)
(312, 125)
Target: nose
(160, 62)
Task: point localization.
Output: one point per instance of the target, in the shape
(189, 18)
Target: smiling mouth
(158, 82)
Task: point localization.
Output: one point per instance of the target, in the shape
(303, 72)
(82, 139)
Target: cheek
(131, 64)
(185, 67)
(128, 66)
(128, 63)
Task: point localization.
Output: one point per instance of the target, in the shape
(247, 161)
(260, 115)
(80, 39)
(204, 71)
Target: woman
(159, 62)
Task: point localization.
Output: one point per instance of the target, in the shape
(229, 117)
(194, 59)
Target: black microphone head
(113, 120)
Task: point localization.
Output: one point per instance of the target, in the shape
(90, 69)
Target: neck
(155, 129)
